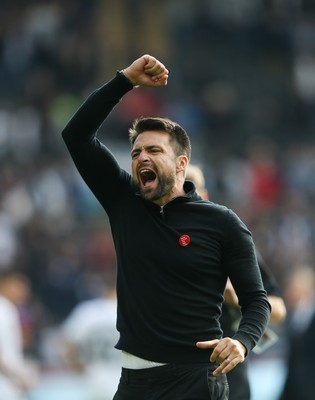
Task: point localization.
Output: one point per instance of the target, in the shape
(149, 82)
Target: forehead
(152, 138)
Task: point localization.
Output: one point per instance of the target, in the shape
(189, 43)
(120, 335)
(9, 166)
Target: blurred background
(242, 83)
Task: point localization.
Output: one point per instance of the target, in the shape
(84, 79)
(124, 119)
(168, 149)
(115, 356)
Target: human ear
(181, 163)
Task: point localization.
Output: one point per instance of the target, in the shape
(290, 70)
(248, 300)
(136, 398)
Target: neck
(176, 192)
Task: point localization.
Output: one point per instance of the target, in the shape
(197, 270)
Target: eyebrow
(148, 148)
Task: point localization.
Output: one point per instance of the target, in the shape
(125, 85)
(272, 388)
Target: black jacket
(169, 296)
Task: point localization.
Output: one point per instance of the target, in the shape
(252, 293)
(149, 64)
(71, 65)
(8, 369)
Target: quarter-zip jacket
(169, 295)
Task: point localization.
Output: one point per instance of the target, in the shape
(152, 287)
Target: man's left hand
(227, 353)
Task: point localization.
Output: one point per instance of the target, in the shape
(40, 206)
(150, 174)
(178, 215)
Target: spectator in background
(238, 377)
(89, 335)
(300, 297)
(15, 379)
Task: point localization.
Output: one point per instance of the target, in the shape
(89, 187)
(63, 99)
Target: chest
(181, 239)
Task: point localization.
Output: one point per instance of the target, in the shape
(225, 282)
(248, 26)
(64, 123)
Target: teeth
(147, 175)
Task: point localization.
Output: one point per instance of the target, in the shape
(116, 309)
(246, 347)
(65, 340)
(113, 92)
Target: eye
(155, 150)
(134, 155)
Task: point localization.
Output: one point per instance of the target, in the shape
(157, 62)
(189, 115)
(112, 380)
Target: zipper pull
(162, 210)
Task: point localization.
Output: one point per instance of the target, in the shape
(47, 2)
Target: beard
(165, 187)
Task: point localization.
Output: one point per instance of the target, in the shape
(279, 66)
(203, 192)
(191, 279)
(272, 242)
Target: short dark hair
(178, 135)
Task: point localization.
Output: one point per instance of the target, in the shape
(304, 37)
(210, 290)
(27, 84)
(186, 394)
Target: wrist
(243, 347)
(125, 74)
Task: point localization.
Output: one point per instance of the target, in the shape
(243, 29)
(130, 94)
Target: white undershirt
(133, 362)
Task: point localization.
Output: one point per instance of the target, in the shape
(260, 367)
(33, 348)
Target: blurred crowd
(242, 83)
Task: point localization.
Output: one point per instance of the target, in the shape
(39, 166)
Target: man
(174, 253)
(14, 378)
(300, 363)
(89, 336)
(238, 378)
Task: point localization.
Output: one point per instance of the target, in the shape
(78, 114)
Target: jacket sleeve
(241, 264)
(93, 159)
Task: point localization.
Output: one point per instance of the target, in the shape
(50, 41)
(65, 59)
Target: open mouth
(147, 176)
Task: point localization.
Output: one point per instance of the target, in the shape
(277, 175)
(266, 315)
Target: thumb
(208, 344)
(149, 60)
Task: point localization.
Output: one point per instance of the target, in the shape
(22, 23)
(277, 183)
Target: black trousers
(172, 382)
(239, 382)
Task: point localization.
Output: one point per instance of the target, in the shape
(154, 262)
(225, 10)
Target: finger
(208, 344)
(226, 366)
(159, 81)
(220, 352)
(161, 74)
(225, 348)
(211, 344)
(160, 77)
(149, 60)
(162, 81)
(221, 357)
(155, 68)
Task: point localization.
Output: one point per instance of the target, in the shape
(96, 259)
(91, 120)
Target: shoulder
(8, 312)
(215, 208)
(223, 216)
(6, 305)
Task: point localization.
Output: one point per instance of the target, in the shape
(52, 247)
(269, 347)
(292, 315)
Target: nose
(143, 156)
